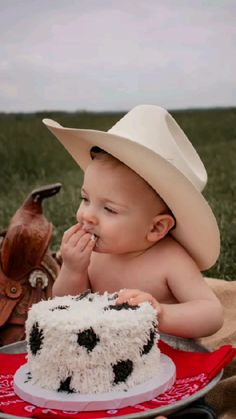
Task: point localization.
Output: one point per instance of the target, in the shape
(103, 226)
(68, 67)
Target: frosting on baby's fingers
(93, 237)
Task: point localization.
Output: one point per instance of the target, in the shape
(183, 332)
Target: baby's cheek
(78, 214)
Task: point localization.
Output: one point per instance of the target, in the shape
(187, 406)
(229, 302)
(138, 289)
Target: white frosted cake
(88, 344)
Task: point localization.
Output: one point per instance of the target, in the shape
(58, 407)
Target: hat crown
(154, 128)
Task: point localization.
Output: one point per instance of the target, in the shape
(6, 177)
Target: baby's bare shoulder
(168, 248)
(173, 257)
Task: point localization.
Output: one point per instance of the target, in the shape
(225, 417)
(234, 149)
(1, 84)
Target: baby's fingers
(89, 246)
(136, 297)
(126, 294)
(84, 242)
(70, 232)
(143, 298)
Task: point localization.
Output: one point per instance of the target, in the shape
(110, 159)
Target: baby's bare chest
(111, 277)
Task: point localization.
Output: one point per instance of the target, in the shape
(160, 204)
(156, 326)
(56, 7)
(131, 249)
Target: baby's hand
(135, 297)
(76, 248)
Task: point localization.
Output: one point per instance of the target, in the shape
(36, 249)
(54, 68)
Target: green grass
(30, 157)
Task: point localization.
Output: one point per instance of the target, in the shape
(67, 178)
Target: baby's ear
(160, 226)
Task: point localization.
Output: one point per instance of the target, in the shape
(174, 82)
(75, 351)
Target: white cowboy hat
(149, 141)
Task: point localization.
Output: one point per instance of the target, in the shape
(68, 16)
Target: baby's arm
(76, 249)
(198, 312)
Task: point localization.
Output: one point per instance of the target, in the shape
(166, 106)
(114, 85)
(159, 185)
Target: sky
(112, 55)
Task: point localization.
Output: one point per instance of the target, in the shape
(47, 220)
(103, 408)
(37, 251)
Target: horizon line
(192, 108)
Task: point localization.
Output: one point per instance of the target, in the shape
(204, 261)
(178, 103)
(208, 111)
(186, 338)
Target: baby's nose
(87, 215)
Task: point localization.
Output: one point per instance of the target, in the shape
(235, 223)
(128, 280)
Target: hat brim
(196, 227)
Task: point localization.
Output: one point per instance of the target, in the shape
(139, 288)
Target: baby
(124, 240)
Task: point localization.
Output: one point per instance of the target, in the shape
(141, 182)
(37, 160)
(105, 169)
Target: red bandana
(194, 370)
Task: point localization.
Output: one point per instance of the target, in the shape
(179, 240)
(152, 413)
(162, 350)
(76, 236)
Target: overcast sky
(115, 54)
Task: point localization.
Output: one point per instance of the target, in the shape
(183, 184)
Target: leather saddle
(27, 267)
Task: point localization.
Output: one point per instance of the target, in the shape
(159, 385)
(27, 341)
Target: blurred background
(85, 63)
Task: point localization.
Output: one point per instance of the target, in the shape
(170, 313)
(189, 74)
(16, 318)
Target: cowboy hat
(149, 141)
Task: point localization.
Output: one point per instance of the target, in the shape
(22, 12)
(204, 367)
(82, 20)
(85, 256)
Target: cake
(89, 344)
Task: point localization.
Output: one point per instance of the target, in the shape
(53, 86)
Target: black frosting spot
(28, 378)
(83, 295)
(36, 338)
(118, 307)
(88, 339)
(65, 386)
(60, 308)
(113, 296)
(90, 299)
(122, 370)
(148, 346)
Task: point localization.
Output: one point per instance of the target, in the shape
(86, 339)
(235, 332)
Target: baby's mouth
(94, 236)
(95, 239)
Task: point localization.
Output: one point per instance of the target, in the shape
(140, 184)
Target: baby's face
(117, 207)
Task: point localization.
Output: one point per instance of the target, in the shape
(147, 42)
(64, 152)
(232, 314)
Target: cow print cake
(88, 344)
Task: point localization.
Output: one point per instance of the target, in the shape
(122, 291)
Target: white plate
(38, 396)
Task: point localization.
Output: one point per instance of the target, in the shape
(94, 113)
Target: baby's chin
(99, 248)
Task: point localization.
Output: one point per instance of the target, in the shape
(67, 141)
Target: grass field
(30, 157)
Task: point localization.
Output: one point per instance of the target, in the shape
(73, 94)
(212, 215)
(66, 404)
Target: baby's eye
(108, 209)
(84, 198)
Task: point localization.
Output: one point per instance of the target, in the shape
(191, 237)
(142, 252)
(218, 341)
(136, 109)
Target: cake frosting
(89, 344)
